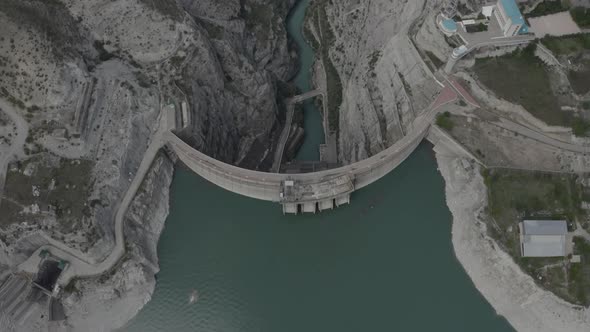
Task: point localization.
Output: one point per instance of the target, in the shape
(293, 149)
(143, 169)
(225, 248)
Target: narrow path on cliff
(80, 264)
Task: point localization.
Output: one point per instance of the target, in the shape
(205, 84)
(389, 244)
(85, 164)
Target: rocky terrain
(240, 55)
(510, 291)
(384, 82)
(81, 88)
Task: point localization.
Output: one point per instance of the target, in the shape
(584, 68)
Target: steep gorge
(241, 53)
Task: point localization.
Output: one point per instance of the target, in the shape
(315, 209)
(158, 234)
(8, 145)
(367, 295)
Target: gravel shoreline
(511, 292)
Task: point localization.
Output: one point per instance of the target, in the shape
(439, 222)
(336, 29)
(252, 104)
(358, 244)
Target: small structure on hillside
(543, 238)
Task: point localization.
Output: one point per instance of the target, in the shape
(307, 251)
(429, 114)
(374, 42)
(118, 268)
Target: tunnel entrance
(49, 272)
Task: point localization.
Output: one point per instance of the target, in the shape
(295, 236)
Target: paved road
(539, 136)
(80, 264)
(523, 130)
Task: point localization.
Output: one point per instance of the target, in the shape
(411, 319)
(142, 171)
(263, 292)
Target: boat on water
(194, 297)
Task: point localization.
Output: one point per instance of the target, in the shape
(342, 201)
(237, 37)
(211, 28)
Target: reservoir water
(383, 263)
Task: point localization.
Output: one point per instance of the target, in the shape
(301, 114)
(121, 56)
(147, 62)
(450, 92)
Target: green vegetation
(579, 274)
(580, 127)
(177, 61)
(41, 16)
(581, 16)
(55, 185)
(444, 121)
(567, 45)
(548, 7)
(103, 55)
(373, 59)
(438, 63)
(515, 195)
(580, 79)
(215, 31)
(11, 99)
(476, 28)
(521, 78)
(259, 14)
(262, 19)
(574, 47)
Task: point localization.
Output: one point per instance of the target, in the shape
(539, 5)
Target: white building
(543, 238)
(510, 18)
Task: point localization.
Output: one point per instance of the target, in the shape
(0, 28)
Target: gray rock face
(88, 78)
(384, 81)
(146, 215)
(240, 53)
(112, 299)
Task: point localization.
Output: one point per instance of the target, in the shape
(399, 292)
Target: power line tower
(449, 9)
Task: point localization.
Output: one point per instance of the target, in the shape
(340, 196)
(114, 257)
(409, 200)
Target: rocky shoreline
(511, 292)
(110, 301)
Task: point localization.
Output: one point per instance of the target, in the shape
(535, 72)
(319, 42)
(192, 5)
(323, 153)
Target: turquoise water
(312, 118)
(383, 263)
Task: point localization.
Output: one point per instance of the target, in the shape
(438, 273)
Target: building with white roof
(543, 238)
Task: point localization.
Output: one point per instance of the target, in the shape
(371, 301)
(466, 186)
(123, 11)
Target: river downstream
(383, 263)
(312, 118)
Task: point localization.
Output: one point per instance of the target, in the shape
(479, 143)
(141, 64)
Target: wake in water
(193, 297)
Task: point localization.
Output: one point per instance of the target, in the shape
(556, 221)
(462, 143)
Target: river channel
(312, 118)
(383, 263)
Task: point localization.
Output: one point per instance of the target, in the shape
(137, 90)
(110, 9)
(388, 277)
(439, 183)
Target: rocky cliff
(81, 87)
(383, 80)
(112, 299)
(231, 75)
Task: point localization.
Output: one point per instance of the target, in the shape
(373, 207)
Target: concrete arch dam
(308, 192)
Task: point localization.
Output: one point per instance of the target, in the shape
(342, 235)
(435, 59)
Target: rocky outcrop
(112, 299)
(385, 84)
(231, 75)
(89, 78)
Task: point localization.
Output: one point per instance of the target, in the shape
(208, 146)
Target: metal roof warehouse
(543, 238)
